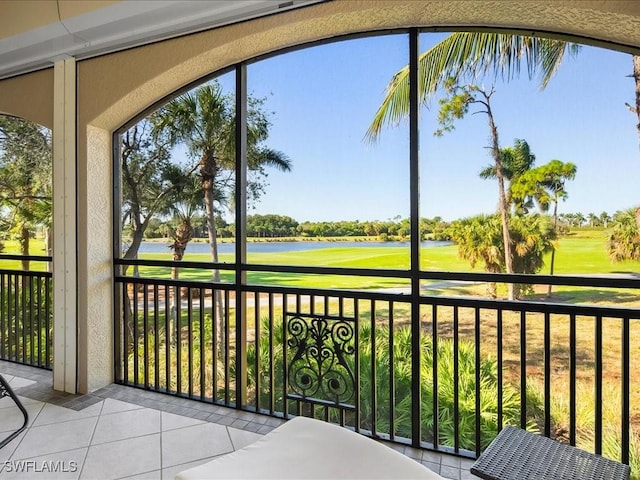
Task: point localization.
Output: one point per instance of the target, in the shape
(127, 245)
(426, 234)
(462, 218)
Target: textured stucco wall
(95, 285)
(29, 96)
(114, 88)
(122, 84)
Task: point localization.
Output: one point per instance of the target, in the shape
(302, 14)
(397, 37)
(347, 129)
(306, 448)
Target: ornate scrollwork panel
(321, 358)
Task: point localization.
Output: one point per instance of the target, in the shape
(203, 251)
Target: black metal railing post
(598, 385)
(547, 374)
(626, 392)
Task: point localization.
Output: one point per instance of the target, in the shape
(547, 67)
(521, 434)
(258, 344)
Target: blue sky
(321, 100)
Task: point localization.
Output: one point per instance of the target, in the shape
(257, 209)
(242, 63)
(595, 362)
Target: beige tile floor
(102, 437)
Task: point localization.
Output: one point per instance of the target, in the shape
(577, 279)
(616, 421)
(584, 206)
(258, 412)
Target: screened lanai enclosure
(292, 238)
(415, 219)
(26, 327)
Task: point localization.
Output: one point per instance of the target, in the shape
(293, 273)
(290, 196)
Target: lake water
(281, 247)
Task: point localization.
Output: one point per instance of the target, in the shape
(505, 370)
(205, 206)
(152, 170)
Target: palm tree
(468, 55)
(455, 106)
(624, 240)
(532, 237)
(478, 240)
(516, 161)
(184, 210)
(204, 120)
(465, 56)
(546, 185)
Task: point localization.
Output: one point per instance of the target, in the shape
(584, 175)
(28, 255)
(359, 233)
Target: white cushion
(304, 448)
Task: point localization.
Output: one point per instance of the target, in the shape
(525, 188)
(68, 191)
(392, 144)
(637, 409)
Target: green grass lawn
(581, 252)
(585, 252)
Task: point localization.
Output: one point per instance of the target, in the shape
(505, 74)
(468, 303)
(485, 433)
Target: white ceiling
(125, 24)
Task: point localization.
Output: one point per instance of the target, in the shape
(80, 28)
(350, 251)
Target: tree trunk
(636, 77)
(181, 238)
(128, 318)
(26, 280)
(48, 245)
(555, 231)
(132, 251)
(24, 245)
(503, 206)
(208, 178)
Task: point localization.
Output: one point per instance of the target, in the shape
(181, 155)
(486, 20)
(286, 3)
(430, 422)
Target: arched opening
(26, 326)
(467, 330)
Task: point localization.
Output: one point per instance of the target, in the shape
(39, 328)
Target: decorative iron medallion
(322, 358)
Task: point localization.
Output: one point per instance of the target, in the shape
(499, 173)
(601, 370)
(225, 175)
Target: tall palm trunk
(502, 195)
(208, 172)
(636, 110)
(181, 238)
(636, 77)
(555, 231)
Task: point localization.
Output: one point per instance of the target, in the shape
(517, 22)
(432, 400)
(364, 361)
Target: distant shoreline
(288, 239)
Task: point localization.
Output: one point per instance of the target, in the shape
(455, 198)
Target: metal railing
(354, 357)
(26, 313)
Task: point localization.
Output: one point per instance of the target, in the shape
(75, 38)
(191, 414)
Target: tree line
(274, 226)
(281, 226)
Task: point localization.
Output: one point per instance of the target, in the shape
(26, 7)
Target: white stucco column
(64, 227)
(95, 261)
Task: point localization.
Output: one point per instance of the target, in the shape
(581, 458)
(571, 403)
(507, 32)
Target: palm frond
(271, 158)
(469, 55)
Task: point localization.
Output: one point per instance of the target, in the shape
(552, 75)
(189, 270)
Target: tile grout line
(95, 427)
(226, 427)
(24, 434)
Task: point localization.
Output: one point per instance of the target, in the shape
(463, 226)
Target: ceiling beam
(41, 32)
